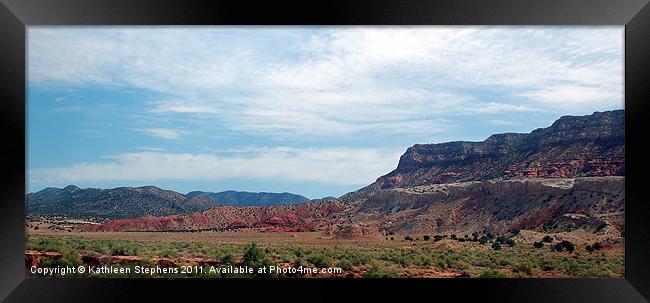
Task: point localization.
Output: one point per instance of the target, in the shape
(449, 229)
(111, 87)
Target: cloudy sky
(316, 111)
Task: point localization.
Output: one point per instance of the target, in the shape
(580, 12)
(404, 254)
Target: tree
(253, 253)
(496, 245)
(510, 242)
(547, 239)
(567, 245)
(501, 239)
(228, 258)
(426, 237)
(453, 237)
(538, 244)
(408, 238)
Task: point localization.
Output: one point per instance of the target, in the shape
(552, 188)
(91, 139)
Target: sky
(316, 111)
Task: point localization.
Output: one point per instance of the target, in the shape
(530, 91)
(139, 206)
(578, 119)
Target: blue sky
(316, 111)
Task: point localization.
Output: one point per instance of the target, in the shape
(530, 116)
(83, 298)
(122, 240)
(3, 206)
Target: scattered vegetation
(377, 260)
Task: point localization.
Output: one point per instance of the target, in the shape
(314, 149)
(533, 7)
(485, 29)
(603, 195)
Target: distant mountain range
(242, 198)
(130, 202)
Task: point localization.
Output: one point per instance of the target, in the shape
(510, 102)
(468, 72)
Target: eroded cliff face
(596, 204)
(573, 146)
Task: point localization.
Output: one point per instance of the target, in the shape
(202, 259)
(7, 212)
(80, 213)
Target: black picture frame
(15, 15)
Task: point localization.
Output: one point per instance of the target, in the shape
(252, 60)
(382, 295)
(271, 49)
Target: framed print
(361, 146)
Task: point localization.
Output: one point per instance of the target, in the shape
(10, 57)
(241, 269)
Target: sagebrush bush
(492, 273)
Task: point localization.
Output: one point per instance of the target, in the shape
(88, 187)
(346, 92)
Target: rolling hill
(242, 198)
(130, 202)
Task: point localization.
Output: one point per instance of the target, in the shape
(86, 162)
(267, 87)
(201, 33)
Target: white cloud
(574, 95)
(182, 107)
(496, 107)
(343, 80)
(147, 148)
(329, 166)
(164, 133)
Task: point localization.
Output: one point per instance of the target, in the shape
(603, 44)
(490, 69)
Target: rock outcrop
(574, 146)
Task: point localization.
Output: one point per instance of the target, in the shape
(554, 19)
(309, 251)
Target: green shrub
(408, 238)
(524, 267)
(344, 264)
(510, 242)
(253, 253)
(298, 262)
(168, 254)
(548, 265)
(492, 273)
(378, 272)
(228, 258)
(123, 248)
(255, 257)
(319, 260)
(426, 237)
(538, 244)
(547, 239)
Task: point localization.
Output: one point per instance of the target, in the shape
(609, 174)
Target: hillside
(595, 204)
(302, 217)
(131, 202)
(242, 198)
(121, 202)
